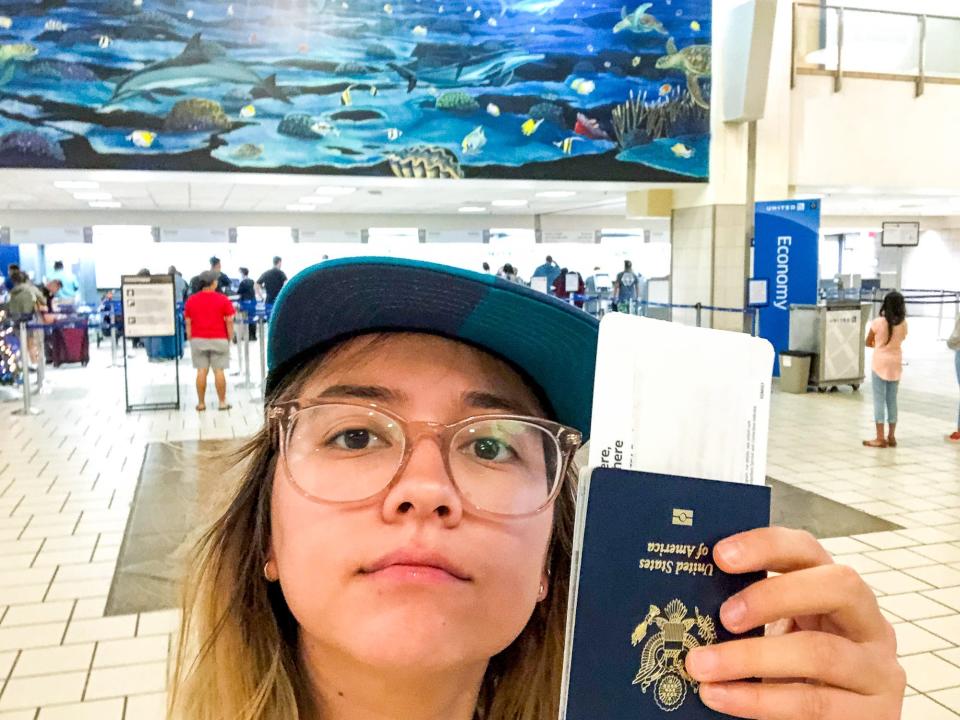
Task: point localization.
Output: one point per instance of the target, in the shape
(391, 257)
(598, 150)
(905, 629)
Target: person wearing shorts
(209, 320)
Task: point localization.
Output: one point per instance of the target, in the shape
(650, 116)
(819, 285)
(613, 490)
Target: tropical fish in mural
(458, 65)
(639, 21)
(200, 63)
(104, 42)
(12, 54)
(583, 87)
(695, 26)
(566, 145)
(346, 98)
(142, 138)
(530, 126)
(682, 151)
(248, 111)
(5, 22)
(55, 26)
(388, 9)
(694, 61)
(636, 61)
(537, 7)
(493, 110)
(589, 128)
(394, 134)
(474, 141)
(665, 89)
(419, 31)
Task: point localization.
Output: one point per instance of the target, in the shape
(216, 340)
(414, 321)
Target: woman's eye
(356, 439)
(491, 450)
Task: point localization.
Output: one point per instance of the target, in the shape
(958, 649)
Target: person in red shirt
(209, 319)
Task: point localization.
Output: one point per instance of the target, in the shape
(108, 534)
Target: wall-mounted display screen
(525, 89)
(900, 234)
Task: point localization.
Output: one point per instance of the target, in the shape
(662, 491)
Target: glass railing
(839, 41)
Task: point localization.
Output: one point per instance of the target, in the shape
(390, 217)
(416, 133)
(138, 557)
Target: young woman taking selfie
(399, 544)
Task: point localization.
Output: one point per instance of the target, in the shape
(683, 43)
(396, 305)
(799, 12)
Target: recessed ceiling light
(556, 194)
(472, 209)
(300, 207)
(93, 196)
(334, 191)
(316, 200)
(76, 184)
(105, 204)
(509, 203)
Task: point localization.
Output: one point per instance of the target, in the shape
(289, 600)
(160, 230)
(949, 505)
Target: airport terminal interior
(768, 167)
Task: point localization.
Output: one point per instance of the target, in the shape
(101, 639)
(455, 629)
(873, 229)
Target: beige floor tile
(37, 613)
(33, 692)
(926, 672)
(913, 606)
(900, 558)
(950, 698)
(885, 540)
(32, 636)
(48, 661)
(940, 576)
(861, 563)
(941, 552)
(97, 710)
(127, 680)
(109, 628)
(112, 653)
(920, 707)
(946, 596)
(912, 639)
(894, 582)
(147, 707)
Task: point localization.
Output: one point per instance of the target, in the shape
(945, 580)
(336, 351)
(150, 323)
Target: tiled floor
(67, 478)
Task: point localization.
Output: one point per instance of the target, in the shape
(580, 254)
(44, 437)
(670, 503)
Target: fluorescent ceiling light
(556, 194)
(76, 184)
(106, 204)
(472, 209)
(509, 203)
(300, 207)
(93, 196)
(316, 200)
(334, 191)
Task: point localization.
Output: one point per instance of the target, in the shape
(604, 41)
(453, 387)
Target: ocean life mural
(513, 89)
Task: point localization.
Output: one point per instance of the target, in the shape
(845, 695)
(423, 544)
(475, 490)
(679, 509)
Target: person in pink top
(886, 337)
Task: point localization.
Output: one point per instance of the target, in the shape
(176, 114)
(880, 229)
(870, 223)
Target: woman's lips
(413, 565)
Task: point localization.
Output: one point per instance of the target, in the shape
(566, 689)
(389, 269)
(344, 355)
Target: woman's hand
(828, 654)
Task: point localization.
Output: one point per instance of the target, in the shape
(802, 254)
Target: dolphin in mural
(200, 63)
(455, 66)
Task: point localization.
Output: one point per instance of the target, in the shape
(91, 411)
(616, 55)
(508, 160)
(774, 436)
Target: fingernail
(701, 662)
(733, 613)
(713, 694)
(730, 552)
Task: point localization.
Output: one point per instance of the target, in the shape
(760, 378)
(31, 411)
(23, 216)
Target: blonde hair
(237, 652)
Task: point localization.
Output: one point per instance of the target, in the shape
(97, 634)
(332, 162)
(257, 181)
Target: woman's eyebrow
(491, 401)
(365, 392)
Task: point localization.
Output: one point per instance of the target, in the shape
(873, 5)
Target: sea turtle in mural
(639, 21)
(425, 161)
(694, 62)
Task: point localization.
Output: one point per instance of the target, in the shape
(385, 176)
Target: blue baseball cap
(551, 343)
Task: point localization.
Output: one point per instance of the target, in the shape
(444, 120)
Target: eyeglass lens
(343, 453)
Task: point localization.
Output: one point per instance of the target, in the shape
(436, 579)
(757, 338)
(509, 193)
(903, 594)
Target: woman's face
(328, 556)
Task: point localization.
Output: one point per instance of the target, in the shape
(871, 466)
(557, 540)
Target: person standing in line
(626, 287)
(550, 270)
(486, 268)
(247, 294)
(69, 287)
(224, 284)
(886, 337)
(8, 282)
(272, 281)
(954, 344)
(26, 301)
(209, 316)
(179, 284)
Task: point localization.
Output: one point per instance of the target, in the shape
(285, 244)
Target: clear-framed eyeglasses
(351, 452)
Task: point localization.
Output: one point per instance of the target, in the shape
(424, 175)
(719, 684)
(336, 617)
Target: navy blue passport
(645, 590)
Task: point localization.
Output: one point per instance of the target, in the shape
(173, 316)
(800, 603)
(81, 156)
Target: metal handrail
(874, 10)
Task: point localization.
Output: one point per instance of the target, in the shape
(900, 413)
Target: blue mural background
(525, 89)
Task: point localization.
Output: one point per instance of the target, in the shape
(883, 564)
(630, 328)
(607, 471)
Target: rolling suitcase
(71, 344)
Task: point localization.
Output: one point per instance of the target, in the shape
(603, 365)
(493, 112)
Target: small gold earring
(267, 574)
(543, 593)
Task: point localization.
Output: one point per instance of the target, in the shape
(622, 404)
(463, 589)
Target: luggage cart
(834, 331)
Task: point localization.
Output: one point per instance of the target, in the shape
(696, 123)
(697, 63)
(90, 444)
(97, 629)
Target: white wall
(875, 133)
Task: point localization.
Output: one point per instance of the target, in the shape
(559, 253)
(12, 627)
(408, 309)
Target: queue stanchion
(699, 308)
(262, 339)
(113, 336)
(244, 316)
(237, 325)
(27, 408)
(42, 362)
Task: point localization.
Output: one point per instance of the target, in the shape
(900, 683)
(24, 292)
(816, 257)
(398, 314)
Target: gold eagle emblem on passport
(663, 654)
